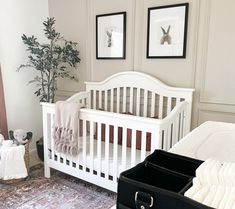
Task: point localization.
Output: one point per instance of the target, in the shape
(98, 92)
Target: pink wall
(3, 119)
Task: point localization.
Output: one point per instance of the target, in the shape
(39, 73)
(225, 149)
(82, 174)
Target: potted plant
(40, 152)
(52, 60)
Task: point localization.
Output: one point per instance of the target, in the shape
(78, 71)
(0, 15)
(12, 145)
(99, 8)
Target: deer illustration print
(166, 36)
(110, 34)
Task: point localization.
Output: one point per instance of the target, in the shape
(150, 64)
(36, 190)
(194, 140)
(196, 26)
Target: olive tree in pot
(52, 60)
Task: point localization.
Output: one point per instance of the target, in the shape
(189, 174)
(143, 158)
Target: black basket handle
(143, 200)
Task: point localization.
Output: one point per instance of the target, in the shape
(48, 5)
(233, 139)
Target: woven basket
(26, 159)
(26, 156)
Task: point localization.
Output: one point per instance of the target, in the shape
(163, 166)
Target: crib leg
(47, 171)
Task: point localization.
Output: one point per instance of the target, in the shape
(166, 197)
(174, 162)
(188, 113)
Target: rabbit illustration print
(166, 37)
(109, 34)
(167, 31)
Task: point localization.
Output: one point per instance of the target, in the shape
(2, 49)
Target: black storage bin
(155, 185)
(178, 163)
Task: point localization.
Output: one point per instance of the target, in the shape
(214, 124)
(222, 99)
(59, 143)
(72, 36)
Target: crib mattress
(104, 165)
(121, 167)
(209, 140)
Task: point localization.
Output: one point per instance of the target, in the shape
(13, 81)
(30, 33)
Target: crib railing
(138, 101)
(175, 126)
(137, 93)
(110, 142)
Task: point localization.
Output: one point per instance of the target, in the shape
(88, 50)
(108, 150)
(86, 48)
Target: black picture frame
(111, 37)
(161, 22)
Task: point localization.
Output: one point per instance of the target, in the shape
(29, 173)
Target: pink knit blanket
(65, 130)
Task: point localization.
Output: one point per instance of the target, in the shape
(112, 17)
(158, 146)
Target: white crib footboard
(105, 148)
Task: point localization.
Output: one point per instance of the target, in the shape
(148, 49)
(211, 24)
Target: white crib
(110, 141)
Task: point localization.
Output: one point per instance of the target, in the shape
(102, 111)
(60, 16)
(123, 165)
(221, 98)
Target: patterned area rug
(59, 192)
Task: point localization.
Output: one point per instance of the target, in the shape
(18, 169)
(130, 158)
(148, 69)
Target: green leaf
(52, 60)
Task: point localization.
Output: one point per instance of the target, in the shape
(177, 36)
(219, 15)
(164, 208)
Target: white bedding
(121, 167)
(209, 140)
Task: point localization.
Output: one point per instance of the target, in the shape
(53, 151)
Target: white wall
(16, 18)
(71, 21)
(164, 69)
(100, 69)
(215, 63)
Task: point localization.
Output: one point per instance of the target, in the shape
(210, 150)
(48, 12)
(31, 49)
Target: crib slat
(99, 149)
(138, 102)
(100, 99)
(94, 99)
(165, 137)
(111, 100)
(131, 100)
(124, 100)
(154, 141)
(181, 125)
(172, 135)
(107, 151)
(89, 100)
(52, 138)
(124, 146)
(118, 100)
(177, 100)
(153, 104)
(133, 147)
(84, 135)
(143, 145)
(168, 144)
(184, 124)
(105, 100)
(159, 138)
(175, 131)
(91, 146)
(169, 105)
(145, 103)
(115, 153)
(160, 111)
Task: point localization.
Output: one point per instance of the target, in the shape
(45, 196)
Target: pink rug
(59, 192)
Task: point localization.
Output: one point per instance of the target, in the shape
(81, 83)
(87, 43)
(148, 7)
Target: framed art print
(111, 36)
(167, 31)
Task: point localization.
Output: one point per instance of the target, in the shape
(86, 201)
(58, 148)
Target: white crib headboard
(138, 93)
(139, 80)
